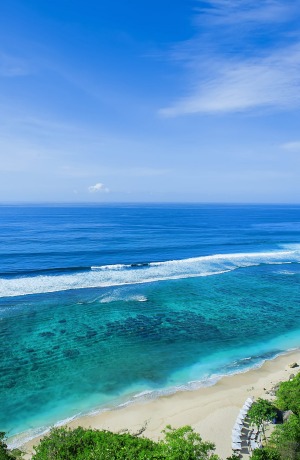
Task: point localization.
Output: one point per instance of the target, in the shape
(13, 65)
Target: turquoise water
(93, 335)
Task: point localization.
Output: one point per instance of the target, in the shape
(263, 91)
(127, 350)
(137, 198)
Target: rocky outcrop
(286, 415)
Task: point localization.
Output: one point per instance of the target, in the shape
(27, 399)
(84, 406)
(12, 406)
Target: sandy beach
(211, 411)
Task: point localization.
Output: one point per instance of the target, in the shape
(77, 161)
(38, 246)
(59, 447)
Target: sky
(150, 101)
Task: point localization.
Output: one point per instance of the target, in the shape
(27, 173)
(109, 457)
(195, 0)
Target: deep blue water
(101, 305)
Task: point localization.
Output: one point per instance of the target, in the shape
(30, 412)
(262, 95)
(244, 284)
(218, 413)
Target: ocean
(103, 305)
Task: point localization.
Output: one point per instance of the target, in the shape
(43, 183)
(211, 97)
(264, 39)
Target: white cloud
(229, 69)
(239, 85)
(237, 11)
(291, 146)
(98, 188)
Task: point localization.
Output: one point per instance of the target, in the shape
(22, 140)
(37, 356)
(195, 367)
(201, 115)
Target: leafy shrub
(265, 454)
(261, 411)
(5, 453)
(88, 444)
(185, 444)
(288, 395)
(286, 438)
(284, 443)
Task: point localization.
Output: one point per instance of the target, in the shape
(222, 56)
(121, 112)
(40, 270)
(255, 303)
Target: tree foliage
(288, 395)
(5, 453)
(261, 411)
(265, 454)
(88, 444)
(286, 438)
(284, 443)
(184, 444)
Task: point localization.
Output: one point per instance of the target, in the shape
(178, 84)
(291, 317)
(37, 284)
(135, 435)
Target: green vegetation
(88, 444)
(5, 453)
(178, 444)
(261, 411)
(185, 444)
(288, 395)
(286, 439)
(284, 443)
(265, 454)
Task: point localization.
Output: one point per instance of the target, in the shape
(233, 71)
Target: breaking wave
(117, 275)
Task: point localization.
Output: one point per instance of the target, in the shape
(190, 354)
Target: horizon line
(142, 203)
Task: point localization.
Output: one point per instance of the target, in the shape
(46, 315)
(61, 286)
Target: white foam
(291, 246)
(65, 421)
(209, 380)
(286, 272)
(18, 440)
(120, 296)
(155, 271)
(143, 393)
(109, 267)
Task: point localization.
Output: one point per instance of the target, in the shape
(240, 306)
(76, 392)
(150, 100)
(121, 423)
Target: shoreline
(210, 410)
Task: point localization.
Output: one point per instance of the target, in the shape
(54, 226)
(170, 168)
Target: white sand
(211, 411)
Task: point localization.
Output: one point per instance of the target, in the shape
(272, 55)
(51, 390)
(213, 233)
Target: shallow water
(69, 348)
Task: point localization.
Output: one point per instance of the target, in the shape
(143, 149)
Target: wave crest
(117, 275)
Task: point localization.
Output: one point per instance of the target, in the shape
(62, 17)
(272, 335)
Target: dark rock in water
(30, 350)
(170, 340)
(62, 321)
(56, 347)
(10, 384)
(71, 353)
(91, 334)
(143, 317)
(79, 338)
(47, 334)
(293, 365)
(31, 314)
(63, 331)
(129, 322)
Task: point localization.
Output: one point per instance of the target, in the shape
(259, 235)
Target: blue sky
(104, 101)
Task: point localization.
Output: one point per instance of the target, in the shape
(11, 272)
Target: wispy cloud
(82, 171)
(11, 66)
(99, 187)
(240, 85)
(238, 70)
(293, 146)
(237, 11)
